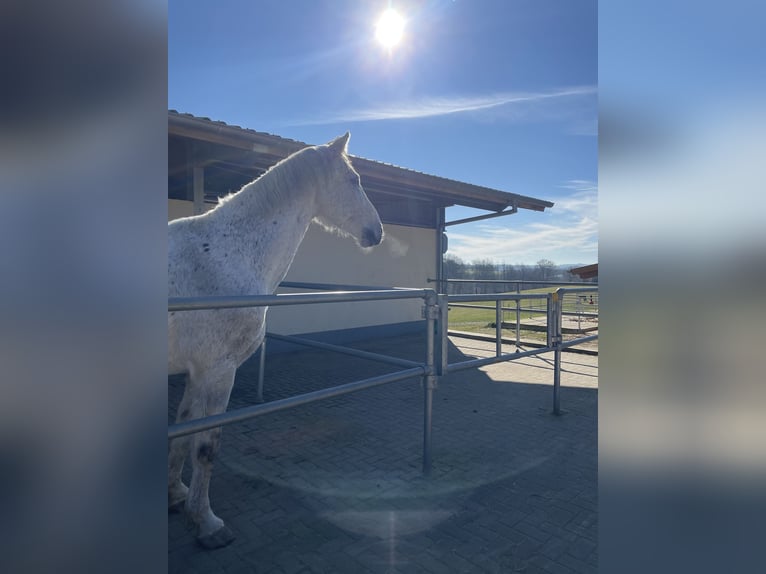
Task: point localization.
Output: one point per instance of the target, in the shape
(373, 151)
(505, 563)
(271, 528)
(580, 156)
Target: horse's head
(343, 205)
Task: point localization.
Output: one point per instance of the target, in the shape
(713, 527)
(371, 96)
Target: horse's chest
(204, 337)
(243, 332)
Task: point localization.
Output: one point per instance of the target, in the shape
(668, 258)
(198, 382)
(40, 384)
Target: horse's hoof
(218, 539)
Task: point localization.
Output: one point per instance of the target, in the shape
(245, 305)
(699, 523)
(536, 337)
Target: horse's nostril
(370, 237)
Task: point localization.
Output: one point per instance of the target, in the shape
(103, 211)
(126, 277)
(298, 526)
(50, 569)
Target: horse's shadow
(342, 469)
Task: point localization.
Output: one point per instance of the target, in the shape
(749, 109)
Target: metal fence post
(549, 321)
(432, 314)
(556, 381)
(442, 335)
(498, 328)
(518, 316)
(261, 371)
(556, 340)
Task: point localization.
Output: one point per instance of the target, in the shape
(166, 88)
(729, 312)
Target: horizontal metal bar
(578, 341)
(509, 309)
(252, 411)
(581, 290)
(511, 211)
(512, 281)
(495, 297)
(492, 307)
(584, 314)
(239, 301)
(488, 338)
(344, 350)
(474, 363)
(340, 287)
(526, 309)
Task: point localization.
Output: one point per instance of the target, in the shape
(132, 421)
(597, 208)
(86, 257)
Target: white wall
(405, 258)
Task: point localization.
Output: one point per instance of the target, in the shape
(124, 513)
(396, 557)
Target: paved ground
(336, 486)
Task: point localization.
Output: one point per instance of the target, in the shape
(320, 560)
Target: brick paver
(336, 486)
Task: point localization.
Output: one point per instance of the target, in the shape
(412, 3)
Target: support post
(432, 314)
(556, 381)
(442, 333)
(428, 403)
(498, 328)
(554, 327)
(441, 248)
(549, 331)
(518, 316)
(261, 371)
(199, 190)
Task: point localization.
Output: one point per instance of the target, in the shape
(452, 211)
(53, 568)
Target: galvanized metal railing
(426, 370)
(497, 299)
(516, 287)
(435, 364)
(556, 338)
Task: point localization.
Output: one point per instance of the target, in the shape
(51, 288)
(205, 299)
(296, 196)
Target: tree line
(544, 270)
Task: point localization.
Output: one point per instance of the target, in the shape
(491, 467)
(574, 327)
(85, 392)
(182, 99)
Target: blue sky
(500, 93)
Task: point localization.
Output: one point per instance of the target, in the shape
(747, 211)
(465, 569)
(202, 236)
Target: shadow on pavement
(336, 486)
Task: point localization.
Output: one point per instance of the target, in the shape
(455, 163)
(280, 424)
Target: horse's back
(208, 338)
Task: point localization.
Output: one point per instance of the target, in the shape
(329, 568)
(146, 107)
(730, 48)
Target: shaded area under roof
(233, 156)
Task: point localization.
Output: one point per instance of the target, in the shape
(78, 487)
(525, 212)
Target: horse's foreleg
(178, 451)
(214, 394)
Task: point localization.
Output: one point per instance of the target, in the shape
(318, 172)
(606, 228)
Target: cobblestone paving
(336, 486)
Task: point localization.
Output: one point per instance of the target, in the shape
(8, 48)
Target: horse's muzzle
(371, 237)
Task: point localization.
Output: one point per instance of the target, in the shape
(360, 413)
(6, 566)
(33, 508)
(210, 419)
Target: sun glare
(389, 28)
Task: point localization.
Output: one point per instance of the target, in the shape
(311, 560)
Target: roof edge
(206, 129)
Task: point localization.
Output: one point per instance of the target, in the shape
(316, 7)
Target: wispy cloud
(583, 201)
(431, 107)
(569, 234)
(561, 243)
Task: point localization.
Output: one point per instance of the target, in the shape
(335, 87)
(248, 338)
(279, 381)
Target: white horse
(245, 246)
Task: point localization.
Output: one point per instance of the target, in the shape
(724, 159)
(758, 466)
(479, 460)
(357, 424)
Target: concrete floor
(336, 486)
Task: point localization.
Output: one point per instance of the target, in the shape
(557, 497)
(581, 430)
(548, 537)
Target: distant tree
(507, 272)
(546, 270)
(454, 267)
(483, 269)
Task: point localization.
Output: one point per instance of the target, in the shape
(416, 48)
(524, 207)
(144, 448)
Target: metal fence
(580, 311)
(426, 369)
(485, 286)
(435, 362)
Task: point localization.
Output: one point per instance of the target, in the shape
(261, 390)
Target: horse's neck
(268, 220)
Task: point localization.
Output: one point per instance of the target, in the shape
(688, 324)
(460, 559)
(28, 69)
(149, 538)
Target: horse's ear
(340, 143)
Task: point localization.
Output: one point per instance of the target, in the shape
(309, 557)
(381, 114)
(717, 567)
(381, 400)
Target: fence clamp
(429, 312)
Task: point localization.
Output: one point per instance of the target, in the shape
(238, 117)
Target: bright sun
(389, 28)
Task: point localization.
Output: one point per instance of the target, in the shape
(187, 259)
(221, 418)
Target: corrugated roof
(377, 177)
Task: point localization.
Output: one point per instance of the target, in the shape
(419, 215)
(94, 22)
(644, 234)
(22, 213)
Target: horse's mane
(277, 184)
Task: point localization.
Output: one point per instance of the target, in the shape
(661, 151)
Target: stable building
(209, 159)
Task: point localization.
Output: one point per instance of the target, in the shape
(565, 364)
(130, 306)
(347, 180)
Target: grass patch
(478, 320)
